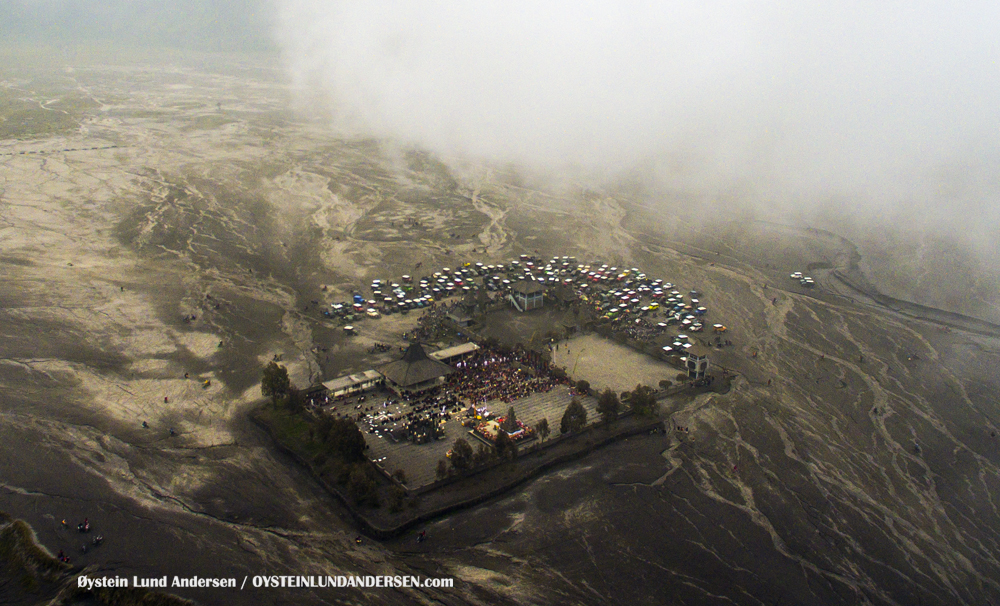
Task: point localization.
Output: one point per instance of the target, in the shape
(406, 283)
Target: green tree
(505, 447)
(543, 428)
(295, 400)
(484, 454)
(361, 485)
(442, 470)
(510, 421)
(583, 387)
(461, 455)
(665, 383)
(575, 417)
(344, 440)
(274, 382)
(642, 400)
(396, 496)
(400, 476)
(608, 406)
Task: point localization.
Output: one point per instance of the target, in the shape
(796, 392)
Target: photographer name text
(258, 581)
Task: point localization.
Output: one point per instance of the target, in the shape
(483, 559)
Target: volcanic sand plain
(855, 460)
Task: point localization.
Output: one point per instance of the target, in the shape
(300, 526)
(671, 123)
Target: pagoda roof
(528, 287)
(414, 367)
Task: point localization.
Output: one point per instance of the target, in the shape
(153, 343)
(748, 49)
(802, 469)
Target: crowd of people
(317, 398)
(433, 323)
(485, 375)
(643, 330)
(430, 323)
(490, 374)
(404, 414)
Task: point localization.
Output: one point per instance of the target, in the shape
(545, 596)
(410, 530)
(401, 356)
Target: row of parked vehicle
(803, 280)
(640, 296)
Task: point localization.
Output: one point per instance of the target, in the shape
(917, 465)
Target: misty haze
(543, 303)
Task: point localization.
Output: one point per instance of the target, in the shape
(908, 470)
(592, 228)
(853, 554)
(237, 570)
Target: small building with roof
(352, 384)
(460, 317)
(476, 302)
(696, 361)
(415, 371)
(562, 294)
(527, 295)
(450, 355)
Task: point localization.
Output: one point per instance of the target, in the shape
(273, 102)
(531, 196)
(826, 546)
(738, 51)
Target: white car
(372, 313)
(796, 275)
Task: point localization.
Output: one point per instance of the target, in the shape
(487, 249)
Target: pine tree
(274, 382)
(575, 417)
(608, 406)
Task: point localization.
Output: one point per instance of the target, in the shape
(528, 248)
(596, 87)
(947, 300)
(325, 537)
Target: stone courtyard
(419, 462)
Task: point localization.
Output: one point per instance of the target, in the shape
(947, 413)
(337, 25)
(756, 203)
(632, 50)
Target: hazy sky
(205, 25)
(886, 101)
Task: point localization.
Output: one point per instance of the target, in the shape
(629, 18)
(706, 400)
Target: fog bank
(891, 108)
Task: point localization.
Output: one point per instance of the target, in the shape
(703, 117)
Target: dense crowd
(494, 375)
(484, 376)
(430, 325)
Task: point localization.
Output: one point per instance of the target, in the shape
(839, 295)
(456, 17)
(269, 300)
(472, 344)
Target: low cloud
(895, 104)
